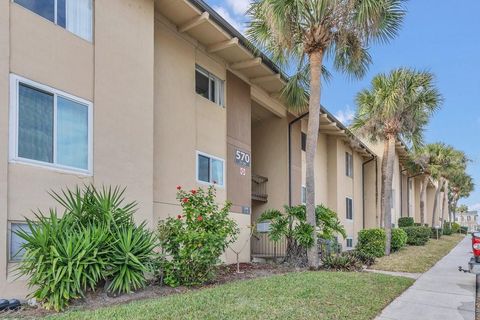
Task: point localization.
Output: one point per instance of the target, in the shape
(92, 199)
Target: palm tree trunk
(387, 186)
(382, 192)
(435, 200)
(423, 190)
(316, 60)
(444, 198)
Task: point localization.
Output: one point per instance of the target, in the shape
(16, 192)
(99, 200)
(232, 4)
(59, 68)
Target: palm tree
(306, 32)
(444, 162)
(397, 107)
(461, 185)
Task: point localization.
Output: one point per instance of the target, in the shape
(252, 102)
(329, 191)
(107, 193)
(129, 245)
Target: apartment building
(154, 94)
(468, 219)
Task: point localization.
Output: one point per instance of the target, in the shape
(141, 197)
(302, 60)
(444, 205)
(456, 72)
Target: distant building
(468, 219)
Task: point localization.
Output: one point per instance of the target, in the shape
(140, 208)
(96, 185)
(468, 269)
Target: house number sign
(242, 158)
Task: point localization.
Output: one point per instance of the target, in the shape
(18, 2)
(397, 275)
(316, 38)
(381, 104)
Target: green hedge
(405, 222)
(417, 236)
(455, 227)
(399, 239)
(447, 229)
(372, 242)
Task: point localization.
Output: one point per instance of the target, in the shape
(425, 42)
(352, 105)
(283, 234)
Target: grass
(302, 295)
(418, 259)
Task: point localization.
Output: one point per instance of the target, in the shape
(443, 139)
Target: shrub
(364, 258)
(435, 234)
(399, 239)
(372, 241)
(130, 257)
(455, 227)
(96, 239)
(405, 222)
(417, 236)
(352, 260)
(194, 241)
(463, 230)
(342, 262)
(293, 227)
(61, 260)
(417, 224)
(447, 229)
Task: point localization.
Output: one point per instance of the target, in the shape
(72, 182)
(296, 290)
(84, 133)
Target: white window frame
(346, 209)
(219, 84)
(303, 194)
(11, 259)
(15, 81)
(200, 153)
(346, 243)
(55, 18)
(349, 164)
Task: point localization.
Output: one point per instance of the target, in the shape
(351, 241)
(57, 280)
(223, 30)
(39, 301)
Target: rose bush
(193, 242)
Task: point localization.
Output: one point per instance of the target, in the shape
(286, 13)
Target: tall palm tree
(461, 185)
(444, 162)
(306, 32)
(397, 107)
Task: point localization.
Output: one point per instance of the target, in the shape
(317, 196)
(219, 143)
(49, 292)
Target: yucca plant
(130, 257)
(62, 260)
(95, 240)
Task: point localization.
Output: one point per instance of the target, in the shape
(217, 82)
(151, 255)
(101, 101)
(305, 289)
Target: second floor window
(210, 169)
(209, 86)
(349, 209)
(349, 164)
(50, 127)
(304, 142)
(304, 195)
(73, 15)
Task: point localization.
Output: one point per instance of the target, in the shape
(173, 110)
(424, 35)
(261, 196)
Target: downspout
(290, 124)
(401, 192)
(376, 189)
(363, 186)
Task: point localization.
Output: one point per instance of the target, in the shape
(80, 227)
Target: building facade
(153, 94)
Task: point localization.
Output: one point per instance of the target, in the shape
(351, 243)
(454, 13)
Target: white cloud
(235, 22)
(474, 207)
(239, 7)
(345, 116)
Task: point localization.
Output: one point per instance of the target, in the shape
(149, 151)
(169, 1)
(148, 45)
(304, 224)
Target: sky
(440, 36)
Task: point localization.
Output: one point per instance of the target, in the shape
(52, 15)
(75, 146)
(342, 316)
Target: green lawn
(418, 259)
(305, 295)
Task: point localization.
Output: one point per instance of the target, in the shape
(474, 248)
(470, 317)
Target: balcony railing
(263, 247)
(259, 188)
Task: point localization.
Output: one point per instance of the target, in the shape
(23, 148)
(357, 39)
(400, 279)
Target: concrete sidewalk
(440, 293)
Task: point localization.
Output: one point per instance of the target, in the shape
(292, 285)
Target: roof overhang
(196, 19)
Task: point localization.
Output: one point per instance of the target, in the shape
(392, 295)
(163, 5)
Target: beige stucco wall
(119, 83)
(4, 101)
(270, 159)
(186, 123)
(371, 194)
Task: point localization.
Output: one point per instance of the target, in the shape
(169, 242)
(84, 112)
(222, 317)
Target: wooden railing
(262, 246)
(259, 188)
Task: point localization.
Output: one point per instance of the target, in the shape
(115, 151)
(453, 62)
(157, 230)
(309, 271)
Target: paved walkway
(441, 293)
(397, 274)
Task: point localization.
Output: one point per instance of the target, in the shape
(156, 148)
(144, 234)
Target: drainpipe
(290, 124)
(408, 184)
(376, 190)
(401, 192)
(363, 186)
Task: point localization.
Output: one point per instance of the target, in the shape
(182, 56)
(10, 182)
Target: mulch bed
(99, 298)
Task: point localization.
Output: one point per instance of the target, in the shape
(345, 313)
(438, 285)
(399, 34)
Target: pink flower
(200, 218)
(185, 200)
(194, 191)
(179, 216)
(179, 187)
